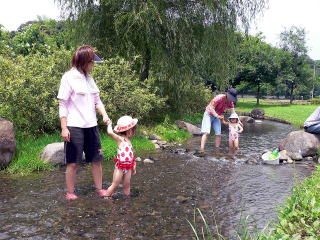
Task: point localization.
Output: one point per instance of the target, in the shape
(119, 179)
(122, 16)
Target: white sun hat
(234, 115)
(125, 123)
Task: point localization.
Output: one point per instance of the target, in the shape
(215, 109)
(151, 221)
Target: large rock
(300, 144)
(194, 130)
(257, 113)
(7, 142)
(246, 119)
(54, 153)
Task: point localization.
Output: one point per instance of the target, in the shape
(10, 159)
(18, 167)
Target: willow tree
(178, 38)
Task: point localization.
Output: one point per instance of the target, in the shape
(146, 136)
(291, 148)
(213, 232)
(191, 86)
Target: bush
(29, 87)
(314, 101)
(123, 93)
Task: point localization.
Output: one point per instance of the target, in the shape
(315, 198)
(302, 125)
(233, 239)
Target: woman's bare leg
(71, 173)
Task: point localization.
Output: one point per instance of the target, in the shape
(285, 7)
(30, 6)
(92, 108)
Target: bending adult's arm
(214, 113)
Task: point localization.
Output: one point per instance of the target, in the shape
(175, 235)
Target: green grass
(299, 218)
(167, 130)
(203, 231)
(27, 160)
(294, 113)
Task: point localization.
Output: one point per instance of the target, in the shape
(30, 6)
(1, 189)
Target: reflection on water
(165, 194)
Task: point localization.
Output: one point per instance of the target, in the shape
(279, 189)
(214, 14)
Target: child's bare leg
(117, 177)
(236, 144)
(126, 183)
(230, 144)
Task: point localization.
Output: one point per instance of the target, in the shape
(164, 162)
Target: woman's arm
(63, 113)
(100, 107)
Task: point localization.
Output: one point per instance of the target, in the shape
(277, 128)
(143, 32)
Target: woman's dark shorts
(85, 140)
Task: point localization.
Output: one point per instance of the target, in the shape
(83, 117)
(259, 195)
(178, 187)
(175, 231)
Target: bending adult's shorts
(209, 121)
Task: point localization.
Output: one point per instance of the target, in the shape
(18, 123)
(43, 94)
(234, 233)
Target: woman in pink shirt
(78, 101)
(213, 115)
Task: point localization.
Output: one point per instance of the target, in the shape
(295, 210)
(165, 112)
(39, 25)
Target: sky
(281, 14)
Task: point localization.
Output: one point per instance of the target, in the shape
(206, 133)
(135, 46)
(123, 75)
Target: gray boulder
(7, 142)
(54, 153)
(257, 113)
(300, 144)
(192, 129)
(246, 119)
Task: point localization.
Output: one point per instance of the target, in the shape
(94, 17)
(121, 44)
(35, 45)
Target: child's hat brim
(119, 128)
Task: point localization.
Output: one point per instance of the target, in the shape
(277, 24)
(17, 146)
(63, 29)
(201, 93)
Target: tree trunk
(258, 94)
(146, 65)
(291, 93)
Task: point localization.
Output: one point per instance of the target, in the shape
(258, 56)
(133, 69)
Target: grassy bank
(26, 159)
(299, 217)
(29, 148)
(294, 113)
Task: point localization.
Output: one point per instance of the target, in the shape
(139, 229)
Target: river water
(164, 194)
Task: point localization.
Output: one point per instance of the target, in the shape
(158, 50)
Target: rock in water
(7, 142)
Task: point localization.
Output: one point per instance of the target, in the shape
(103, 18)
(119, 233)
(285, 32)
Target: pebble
(147, 160)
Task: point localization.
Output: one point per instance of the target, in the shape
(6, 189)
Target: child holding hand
(235, 127)
(125, 162)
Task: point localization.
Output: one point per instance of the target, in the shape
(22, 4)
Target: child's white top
(79, 98)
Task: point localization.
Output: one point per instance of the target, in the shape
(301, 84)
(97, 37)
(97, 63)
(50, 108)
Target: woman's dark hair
(82, 57)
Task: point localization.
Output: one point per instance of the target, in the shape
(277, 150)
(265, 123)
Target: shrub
(28, 95)
(29, 87)
(123, 93)
(315, 101)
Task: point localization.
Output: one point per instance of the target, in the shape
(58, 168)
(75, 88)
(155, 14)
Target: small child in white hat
(235, 127)
(125, 162)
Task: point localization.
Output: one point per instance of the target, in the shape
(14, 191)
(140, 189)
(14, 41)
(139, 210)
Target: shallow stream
(165, 194)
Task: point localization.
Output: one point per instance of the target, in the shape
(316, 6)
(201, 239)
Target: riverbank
(27, 160)
(299, 217)
(294, 113)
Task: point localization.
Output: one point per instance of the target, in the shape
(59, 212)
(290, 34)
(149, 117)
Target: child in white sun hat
(235, 127)
(125, 162)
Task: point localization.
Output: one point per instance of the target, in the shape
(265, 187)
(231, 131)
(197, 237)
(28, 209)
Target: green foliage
(26, 159)
(184, 94)
(259, 64)
(43, 36)
(168, 130)
(123, 93)
(28, 90)
(202, 230)
(299, 217)
(295, 70)
(181, 42)
(29, 86)
(315, 101)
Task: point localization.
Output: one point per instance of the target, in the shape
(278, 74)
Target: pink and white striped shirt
(79, 98)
